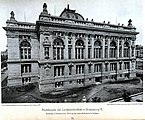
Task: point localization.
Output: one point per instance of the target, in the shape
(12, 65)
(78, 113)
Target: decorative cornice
(19, 29)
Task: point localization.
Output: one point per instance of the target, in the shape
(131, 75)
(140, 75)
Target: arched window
(79, 49)
(126, 49)
(58, 49)
(25, 50)
(97, 49)
(112, 50)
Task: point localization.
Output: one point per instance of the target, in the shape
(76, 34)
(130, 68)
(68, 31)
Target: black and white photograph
(71, 51)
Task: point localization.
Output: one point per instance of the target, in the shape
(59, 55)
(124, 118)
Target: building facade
(139, 51)
(139, 61)
(67, 51)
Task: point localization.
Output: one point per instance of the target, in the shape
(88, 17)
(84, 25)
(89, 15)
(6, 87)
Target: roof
(67, 13)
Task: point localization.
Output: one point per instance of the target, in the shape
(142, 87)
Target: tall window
(113, 66)
(25, 50)
(106, 67)
(25, 68)
(80, 69)
(70, 70)
(120, 66)
(120, 51)
(58, 71)
(126, 49)
(79, 49)
(89, 52)
(58, 49)
(97, 49)
(132, 52)
(69, 52)
(89, 68)
(106, 49)
(46, 52)
(126, 65)
(106, 52)
(97, 67)
(112, 50)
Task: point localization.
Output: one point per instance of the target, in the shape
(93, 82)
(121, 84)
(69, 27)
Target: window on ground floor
(58, 84)
(97, 79)
(80, 81)
(26, 80)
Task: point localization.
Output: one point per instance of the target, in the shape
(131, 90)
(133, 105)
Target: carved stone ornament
(70, 64)
(89, 63)
(47, 66)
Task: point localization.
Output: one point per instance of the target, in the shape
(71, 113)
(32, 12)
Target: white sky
(99, 10)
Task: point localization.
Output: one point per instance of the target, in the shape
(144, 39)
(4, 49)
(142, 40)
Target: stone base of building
(48, 87)
(17, 81)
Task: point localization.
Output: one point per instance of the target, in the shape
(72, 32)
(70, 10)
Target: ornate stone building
(67, 51)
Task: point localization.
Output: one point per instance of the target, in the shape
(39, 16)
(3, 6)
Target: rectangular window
(106, 67)
(26, 80)
(120, 52)
(25, 68)
(69, 53)
(62, 54)
(58, 53)
(132, 52)
(126, 65)
(58, 84)
(54, 53)
(58, 71)
(89, 52)
(80, 81)
(113, 66)
(120, 66)
(54, 71)
(70, 70)
(80, 69)
(46, 52)
(62, 69)
(106, 52)
(97, 68)
(89, 69)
